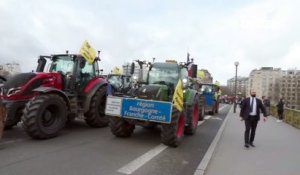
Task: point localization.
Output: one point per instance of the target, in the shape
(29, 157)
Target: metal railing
(290, 116)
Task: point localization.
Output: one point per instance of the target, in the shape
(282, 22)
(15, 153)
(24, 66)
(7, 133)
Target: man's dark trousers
(250, 124)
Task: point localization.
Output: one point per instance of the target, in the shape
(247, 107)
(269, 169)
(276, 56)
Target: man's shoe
(251, 144)
(246, 145)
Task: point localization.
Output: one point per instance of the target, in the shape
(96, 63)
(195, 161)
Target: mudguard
(89, 94)
(45, 90)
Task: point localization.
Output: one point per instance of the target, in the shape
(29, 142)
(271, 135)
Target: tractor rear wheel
(95, 117)
(172, 134)
(120, 127)
(193, 114)
(44, 116)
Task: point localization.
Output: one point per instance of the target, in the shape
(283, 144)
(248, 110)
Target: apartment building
(263, 81)
(288, 87)
(241, 88)
(9, 69)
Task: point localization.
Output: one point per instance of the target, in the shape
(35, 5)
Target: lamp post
(235, 86)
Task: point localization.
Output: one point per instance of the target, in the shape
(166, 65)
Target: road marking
(11, 141)
(201, 122)
(204, 162)
(140, 161)
(216, 118)
(222, 108)
(207, 117)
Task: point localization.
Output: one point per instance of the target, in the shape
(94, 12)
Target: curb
(209, 153)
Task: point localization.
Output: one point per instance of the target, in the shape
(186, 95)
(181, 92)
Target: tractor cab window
(163, 75)
(115, 81)
(85, 72)
(62, 64)
(207, 89)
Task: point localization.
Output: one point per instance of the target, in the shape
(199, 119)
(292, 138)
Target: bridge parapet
(290, 116)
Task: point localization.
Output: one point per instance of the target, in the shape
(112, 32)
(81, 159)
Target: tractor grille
(148, 92)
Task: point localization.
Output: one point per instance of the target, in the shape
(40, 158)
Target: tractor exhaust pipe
(41, 64)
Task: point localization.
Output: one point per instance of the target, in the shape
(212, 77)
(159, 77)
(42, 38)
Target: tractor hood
(18, 80)
(22, 84)
(154, 92)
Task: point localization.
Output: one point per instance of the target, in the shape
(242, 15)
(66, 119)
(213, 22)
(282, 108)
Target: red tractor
(46, 100)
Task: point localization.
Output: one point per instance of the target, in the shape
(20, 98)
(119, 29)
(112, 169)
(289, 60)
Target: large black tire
(44, 116)
(193, 117)
(201, 109)
(120, 127)
(13, 117)
(172, 134)
(95, 117)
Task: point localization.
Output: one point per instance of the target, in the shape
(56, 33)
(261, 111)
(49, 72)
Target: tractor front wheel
(13, 117)
(96, 117)
(44, 116)
(172, 134)
(120, 127)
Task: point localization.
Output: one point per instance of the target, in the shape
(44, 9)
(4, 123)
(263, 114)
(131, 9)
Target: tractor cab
(75, 71)
(121, 84)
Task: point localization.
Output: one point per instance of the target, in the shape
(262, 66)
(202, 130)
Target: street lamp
(235, 84)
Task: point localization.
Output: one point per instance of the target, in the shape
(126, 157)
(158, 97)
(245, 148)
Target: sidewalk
(277, 150)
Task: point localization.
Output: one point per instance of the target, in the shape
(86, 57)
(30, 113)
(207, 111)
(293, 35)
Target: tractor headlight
(184, 83)
(134, 78)
(13, 91)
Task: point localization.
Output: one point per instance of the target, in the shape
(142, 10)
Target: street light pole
(235, 86)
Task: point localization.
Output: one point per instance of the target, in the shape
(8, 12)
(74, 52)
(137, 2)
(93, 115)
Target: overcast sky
(216, 33)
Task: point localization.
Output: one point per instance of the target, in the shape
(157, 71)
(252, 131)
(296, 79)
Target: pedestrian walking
(250, 113)
(280, 109)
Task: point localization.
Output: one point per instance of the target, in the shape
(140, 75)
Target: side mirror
(194, 70)
(132, 68)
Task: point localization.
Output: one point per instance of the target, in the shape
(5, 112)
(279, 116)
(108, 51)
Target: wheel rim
(195, 115)
(49, 116)
(180, 126)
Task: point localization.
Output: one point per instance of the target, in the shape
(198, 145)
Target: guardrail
(290, 116)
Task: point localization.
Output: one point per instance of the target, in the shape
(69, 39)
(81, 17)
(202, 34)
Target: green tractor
(157, 101)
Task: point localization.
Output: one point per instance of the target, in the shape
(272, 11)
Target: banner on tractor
(148, 110)
(116, 70)
(88, 53)
(200, 74)
(178, 96)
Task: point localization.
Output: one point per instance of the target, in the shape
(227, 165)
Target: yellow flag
(88, 52)
(200, 74)
(217, 83)
(117, 71)
(178, 96)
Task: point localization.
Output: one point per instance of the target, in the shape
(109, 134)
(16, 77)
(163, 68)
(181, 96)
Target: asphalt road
(81, 150)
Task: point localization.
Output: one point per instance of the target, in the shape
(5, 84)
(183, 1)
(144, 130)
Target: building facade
(263, 81)
(275, 83)
(241, 88)
(9, 69)
(288, 87)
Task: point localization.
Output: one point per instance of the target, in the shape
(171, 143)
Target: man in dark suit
(250, 113)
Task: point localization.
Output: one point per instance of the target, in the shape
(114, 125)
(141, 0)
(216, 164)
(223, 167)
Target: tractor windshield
(115, 81)
(207, 89)
(163, 75)
(62, 64)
